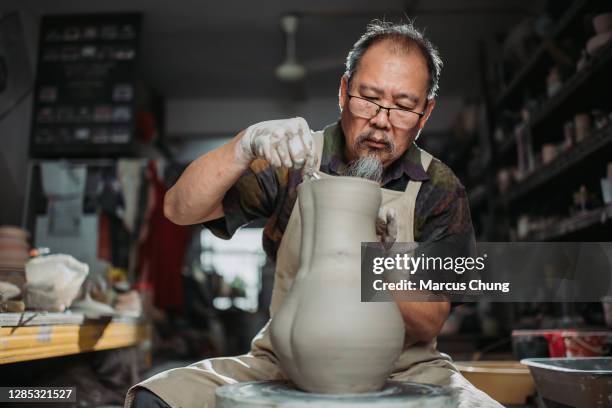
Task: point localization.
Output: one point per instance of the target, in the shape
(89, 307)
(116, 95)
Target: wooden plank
(31, 343)
(573, 224)
(44, 318)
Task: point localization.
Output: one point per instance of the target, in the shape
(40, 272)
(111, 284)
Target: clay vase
(282, 322)
(326, 339)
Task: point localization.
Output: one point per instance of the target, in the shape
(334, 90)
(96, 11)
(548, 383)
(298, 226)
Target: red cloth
(147, 126)
(162, 248)
(104, 238)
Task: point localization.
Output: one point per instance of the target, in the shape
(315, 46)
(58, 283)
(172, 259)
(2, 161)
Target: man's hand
(282, 143)
(386, 225)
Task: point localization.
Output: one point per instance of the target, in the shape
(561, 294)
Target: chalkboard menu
(84, 101)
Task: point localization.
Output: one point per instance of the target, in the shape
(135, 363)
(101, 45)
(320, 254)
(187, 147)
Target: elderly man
(386, 97)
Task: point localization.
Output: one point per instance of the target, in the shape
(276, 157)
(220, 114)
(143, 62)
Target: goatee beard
(368, 167)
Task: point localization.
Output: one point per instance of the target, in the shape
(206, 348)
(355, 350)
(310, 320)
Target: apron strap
(412, 190)
(414, 186)
(426, 159)
(319, 139)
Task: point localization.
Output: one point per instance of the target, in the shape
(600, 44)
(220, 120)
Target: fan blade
(323, 64)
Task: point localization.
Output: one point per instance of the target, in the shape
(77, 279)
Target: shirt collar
(334, 162)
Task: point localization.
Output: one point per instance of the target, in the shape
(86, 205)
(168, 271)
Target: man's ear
(430, 105)
(342, 92)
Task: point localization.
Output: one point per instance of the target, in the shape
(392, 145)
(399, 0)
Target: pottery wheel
(283, 394)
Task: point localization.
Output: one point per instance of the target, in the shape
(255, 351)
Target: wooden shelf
(572, 86)
(519, 78)
(33, 342)
(569, 89)
(517, 82)
(601, 139)
(573, 224)
(48, 318)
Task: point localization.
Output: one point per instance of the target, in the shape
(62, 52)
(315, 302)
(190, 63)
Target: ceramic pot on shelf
(326, 339)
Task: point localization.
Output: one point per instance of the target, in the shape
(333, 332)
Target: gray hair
(367, 167)
(403, 35)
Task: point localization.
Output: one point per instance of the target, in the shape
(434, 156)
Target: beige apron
(194, 386)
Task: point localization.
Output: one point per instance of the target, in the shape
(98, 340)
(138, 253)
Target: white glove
(386, 225)
(283, 143)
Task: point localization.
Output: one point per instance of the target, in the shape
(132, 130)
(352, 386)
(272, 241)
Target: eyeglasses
(398, 117)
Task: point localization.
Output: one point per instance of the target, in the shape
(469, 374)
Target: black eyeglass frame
(420, 114)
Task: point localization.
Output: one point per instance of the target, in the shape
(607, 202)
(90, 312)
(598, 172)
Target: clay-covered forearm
(423, 320)
(196, 197)
(198, 194)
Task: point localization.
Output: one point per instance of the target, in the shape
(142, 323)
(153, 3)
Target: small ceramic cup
(549, 152)
(582, 126)
(597, 42)
(602, 23)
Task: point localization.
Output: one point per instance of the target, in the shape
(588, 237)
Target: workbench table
(32, 336)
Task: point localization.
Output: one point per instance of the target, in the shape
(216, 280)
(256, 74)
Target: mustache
(360, 142)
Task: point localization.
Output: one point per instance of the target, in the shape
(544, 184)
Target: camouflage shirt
(442, 211)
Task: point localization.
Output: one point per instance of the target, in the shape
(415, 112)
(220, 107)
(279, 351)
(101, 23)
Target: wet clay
(326, 339)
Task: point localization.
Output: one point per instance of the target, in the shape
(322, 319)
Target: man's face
(390, 78)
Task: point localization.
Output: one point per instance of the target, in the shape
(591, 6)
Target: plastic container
(569, 343)
(526, 345)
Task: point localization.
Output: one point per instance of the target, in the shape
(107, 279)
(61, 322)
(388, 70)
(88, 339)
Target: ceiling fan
(291, 70)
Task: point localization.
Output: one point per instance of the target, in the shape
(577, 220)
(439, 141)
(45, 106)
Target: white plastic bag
(53, 282)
